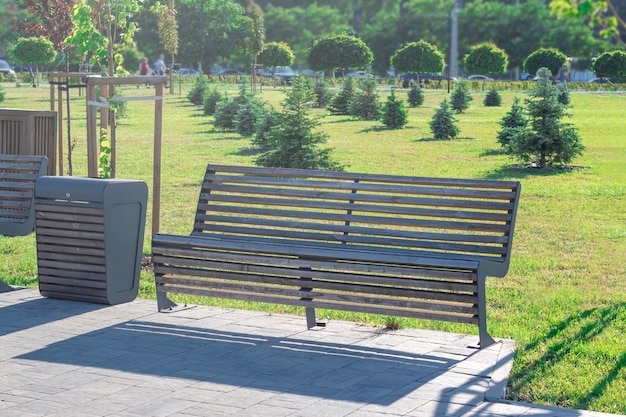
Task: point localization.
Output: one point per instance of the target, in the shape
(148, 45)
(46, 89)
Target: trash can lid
(75, 188)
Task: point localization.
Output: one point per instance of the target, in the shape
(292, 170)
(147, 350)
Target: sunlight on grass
(564, 299)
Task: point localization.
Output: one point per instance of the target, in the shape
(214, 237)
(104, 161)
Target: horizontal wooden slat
(360, 308)
(184, 276)
(236, 206)
(281, 184)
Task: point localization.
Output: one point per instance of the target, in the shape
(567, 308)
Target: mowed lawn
(564, 299)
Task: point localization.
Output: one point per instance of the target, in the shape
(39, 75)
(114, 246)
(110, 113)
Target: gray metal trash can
(90, 235)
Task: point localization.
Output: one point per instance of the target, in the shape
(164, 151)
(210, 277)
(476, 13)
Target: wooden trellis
(95, 104)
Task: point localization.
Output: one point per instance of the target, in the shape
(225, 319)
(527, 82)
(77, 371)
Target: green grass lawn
(564, 299)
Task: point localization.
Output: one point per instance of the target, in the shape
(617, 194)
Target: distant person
(144, 68)
(563, 76)
(159, 65)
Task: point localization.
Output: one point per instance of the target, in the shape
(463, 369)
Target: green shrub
(415, 95)
(394, 114)
(563, 97)
(492, 99)
(340, 103)
(443, 124)
(365, 104)
(512, 124)
(264, 125)
(292, 142)
(247, 117)
(198, 91)
(546, 141)
(460, 98)
(322, 92)
(210, 101)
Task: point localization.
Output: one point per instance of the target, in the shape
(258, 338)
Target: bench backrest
(440, 217)
(18, 174)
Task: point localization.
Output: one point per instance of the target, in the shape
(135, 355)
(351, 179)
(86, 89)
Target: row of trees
(235, 31)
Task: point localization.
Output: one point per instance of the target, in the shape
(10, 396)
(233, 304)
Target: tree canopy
(611, 65)
(339, 51)
(276, 54)
(486, 58)
(420, 57)
(549, 58)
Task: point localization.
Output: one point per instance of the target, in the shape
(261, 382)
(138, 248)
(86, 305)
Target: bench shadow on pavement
(344, 372)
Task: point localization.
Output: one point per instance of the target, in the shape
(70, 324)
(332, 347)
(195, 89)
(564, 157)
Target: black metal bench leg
(164, 303)
(485, 338)
(310, 318)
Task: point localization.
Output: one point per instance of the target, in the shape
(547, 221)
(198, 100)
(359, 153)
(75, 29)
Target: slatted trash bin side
(90, 238)
(384, 244)
(18, 174)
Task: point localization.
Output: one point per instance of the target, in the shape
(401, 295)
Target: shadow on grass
(383, 129)
(564, 340)
(441, 140)
(247, 151)
(521, 172)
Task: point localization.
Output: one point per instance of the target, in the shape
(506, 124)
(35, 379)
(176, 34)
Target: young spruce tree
(546, 141)
(394, 114)
(340, 103)
(365, 104)
(443, 124)
(416, 95)
(513, 123)
(293, 141)
(460, 98)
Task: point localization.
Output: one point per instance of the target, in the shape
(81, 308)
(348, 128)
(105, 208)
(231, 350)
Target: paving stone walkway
(64, 359)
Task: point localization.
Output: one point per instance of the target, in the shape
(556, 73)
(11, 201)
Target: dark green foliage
(611, 65)
(248, 115)
(365, 104)
(227, 109)
(492, 99)
(292, 142)
(198, 91)
(486, 58)
(264, 125)
(418, 57)
(2, 95)
(394, 114)
(546, 141)
(460, 98)
(549, 58)
(415, 95)
(322, 93)
(563, 97)
(210, 101)
(512, 123)
(340, 103)
(443, 124)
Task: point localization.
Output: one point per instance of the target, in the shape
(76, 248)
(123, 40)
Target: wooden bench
(384, 244)
(18, 174)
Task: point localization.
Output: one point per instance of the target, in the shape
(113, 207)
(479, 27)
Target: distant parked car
(284, 75)
(600, 80)
(230, 72)
(187, 71)
(479, 78)
(5, 68)
(360, 74)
